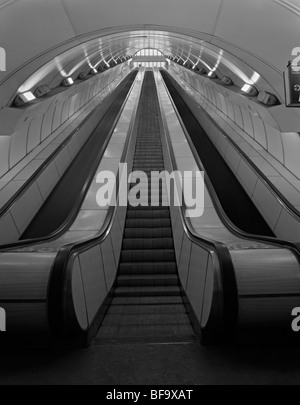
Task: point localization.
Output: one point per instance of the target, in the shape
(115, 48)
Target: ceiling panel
(261, 27)
(92, 15)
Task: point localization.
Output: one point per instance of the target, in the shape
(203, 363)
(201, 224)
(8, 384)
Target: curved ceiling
(251, 39)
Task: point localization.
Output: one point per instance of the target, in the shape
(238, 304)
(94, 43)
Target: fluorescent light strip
(28, 96)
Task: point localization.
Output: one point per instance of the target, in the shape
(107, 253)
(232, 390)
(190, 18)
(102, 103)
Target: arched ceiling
(46, 40)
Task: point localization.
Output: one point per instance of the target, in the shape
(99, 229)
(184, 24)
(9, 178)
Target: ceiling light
(24, 98)
(250, 90)
(212, 75)
(67, 82)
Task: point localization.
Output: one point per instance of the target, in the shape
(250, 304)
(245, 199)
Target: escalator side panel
(233, 198)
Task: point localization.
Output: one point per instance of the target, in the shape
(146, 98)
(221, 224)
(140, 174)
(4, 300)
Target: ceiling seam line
(68, 16)
(217, 17)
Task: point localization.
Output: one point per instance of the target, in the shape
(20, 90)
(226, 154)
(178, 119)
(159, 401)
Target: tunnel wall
(23, 129)
(284, 147)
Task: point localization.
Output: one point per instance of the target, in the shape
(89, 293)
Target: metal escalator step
(146, 319)
(148, 223)
(147, 279)
(147, 186)
(155, 195)
(147, 243)
(155, 166)
(151, 207)
(147, 309)
(147, 214)
(148, 168)
(153, 134)
(148, 194)
(147, 201)
(147, 300)
(147, 181)
(148, 204)
(148, 144)
(151, 138)
(147, 333)
(148, 232)
(151, 194)
(148, 268)
(148, 150)
(146, 291)
(147, 158)
(140, 146)
(147, 255)
(144, 165)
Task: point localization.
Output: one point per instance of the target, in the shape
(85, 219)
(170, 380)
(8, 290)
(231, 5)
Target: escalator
(147, 300)
(125, 283)
(236, 203)
(70, 189)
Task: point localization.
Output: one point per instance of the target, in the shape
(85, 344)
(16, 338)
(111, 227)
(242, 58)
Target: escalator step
(155, 195)
(147, 159)
(184, 333)
(148, 223)
(149, 319)
(147, 291)
(149, 184)
(154, 166)
(147, 309)
(147, 255)
(148, 243)
(148, 232)
(148, 268)
(147, 214)
(147, 280)
(147, 300)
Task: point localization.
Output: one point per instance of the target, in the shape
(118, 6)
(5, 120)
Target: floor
(164, 364)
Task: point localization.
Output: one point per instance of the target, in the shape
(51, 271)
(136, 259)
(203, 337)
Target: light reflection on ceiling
(91, 54)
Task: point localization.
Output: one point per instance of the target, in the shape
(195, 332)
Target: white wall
(37, 122)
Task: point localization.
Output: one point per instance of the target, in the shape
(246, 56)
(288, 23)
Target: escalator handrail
(12, 201)
(217, 205)
(73, 213)
(281, 199)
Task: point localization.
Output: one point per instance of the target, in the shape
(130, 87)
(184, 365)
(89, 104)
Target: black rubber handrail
(8, 205)
(282, 200)
(71, 217)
